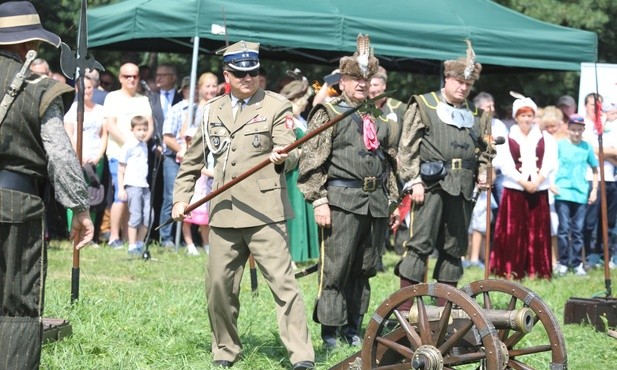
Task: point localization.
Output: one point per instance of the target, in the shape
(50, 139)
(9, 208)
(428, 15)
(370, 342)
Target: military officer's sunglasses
(242, 74)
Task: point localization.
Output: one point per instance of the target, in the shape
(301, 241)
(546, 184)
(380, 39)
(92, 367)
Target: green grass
(151, 315)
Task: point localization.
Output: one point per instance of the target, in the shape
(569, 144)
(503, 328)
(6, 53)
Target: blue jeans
(170, 171)
(570, 232)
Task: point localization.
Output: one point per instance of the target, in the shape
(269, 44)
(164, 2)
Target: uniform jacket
(339, 153)
(427, 138)
(265, 122)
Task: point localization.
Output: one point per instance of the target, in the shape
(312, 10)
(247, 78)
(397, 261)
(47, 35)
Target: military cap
(241, 56)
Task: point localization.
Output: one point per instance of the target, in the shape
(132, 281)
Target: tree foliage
(545, 87)
(62, 17)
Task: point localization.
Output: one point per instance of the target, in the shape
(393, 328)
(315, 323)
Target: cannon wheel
(492, 293)
(425, 345)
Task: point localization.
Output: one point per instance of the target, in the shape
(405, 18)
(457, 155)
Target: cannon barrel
(520, 319)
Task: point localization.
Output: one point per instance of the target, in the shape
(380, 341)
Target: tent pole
(191, 115)
(193, 77)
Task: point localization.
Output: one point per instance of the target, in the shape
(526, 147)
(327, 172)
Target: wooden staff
(266, 161)
(75, 65)
(489, 186)
(603, 207)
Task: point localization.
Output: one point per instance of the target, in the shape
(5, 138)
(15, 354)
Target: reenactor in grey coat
(441, 153)
(346, 174)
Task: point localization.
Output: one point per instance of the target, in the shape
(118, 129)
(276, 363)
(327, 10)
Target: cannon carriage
(488, 324)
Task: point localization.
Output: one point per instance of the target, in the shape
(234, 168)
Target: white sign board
(606, 77)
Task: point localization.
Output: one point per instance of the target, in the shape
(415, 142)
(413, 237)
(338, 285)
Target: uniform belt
(368, 184)
(457, 164)
(18, 182)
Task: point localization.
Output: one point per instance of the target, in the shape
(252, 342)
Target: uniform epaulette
(432, 104)
(215, 99)
(276, 95)
(435, 100)
(393, 103)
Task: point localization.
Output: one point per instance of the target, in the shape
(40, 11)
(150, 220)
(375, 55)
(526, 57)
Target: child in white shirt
(133, 184)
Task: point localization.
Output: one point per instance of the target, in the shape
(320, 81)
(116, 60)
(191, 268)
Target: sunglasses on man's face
(242, 74)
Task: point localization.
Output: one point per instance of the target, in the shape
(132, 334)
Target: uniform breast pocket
(217, 137)
(259, 139)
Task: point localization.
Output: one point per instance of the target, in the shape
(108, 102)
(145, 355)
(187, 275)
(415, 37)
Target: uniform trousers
(23, 261)
(349, 258)
(229, 251)
(441, 223)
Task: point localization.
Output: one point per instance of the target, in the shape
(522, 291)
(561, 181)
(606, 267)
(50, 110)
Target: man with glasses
(344, 173)
(166, 76)
(242, 129)
(120, 106)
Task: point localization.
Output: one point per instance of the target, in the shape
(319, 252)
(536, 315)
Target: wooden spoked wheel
(393, 341)
(522, 352)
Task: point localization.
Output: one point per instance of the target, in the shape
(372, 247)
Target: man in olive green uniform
(34, 148)
(443, 134)
(343, 173)
(241, 130)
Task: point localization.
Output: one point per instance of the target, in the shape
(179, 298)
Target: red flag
(598, 122)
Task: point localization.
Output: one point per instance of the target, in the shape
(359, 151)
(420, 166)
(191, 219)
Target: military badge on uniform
(289, 122)
(256, 142)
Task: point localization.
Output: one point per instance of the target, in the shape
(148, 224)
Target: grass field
(151, 315)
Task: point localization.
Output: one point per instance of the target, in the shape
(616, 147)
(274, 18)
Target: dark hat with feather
(362, 64)
(464, 68)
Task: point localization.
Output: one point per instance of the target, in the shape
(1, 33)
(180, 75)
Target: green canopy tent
(406, 35)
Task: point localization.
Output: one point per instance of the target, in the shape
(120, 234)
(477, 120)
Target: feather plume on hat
(471, 60)
(465, 68)
(362, 64)
(364, 50)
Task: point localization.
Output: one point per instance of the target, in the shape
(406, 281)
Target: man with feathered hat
(441, 152)
(344, 173)
(34, 148)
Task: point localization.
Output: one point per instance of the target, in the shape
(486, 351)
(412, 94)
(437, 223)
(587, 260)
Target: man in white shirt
(120, 106)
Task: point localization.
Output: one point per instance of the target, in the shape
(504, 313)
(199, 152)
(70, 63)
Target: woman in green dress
(303, 234)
